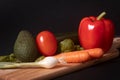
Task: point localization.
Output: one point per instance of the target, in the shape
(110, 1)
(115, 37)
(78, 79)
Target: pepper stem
(101, 15)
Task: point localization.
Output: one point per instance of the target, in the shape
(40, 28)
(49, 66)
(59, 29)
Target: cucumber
(69, 35)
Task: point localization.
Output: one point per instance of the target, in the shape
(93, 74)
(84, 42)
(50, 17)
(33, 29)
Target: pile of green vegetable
(25, 48)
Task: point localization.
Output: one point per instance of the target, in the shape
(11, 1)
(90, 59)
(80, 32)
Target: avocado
(25, 48)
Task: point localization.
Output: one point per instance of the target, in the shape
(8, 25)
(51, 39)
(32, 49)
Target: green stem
(22, 65)
(101, 15)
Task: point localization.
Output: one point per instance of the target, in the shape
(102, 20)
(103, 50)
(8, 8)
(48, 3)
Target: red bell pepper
(96, 32)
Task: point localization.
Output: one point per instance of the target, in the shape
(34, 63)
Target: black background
(55, 15)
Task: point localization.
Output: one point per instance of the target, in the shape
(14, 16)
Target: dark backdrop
(55, 15)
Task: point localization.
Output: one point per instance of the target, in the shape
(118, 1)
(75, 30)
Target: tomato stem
(101, 15)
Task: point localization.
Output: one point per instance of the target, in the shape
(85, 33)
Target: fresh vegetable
(4, 58)
(95, 52)
(47, 43)
(68, 35)
(81, 56)
(68, 45)
(47, 62)
(62, 36)
(25, 48)
(96, 32)
(78, 47)
(9, 58)
(39, 58)
(74, 57)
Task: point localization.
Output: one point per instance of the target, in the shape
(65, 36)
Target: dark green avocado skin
(25, 48)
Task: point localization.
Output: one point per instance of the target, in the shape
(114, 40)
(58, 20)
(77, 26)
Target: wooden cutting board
(43, 74)
(59, 70)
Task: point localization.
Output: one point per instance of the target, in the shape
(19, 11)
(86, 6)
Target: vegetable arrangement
(81, 56)
(98, 30)
(93, 39)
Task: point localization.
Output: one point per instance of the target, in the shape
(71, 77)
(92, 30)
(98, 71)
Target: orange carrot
(75, 56)
(95, 53)
(80, 56)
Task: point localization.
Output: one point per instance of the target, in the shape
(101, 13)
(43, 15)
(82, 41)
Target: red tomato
(47, 43)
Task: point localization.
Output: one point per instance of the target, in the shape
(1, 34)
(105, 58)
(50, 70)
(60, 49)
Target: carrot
(75, 56)
(95, 53)
(80, 56)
